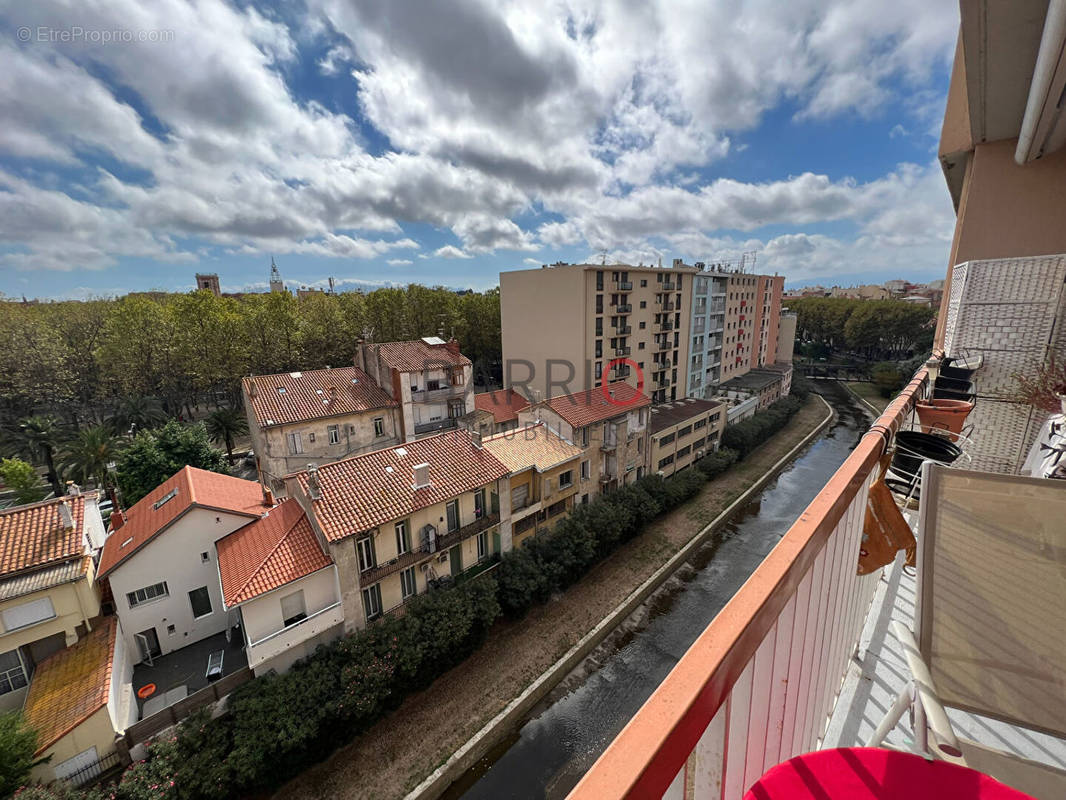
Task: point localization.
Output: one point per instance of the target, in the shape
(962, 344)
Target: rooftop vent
(421, 476)
(296, 374)
(401, 452)
(313, 488)
(281, 389)
(66, 516)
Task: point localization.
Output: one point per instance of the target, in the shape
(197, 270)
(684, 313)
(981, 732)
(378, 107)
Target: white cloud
(450, 251)
(397, 262)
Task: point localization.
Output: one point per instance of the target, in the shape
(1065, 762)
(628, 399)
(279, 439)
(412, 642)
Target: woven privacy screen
(992, 594)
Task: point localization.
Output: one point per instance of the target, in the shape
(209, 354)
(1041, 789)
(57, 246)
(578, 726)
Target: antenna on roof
(603, 257)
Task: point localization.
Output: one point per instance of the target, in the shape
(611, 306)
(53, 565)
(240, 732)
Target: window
(365, 548)
(147, 593)
(200, 601)
(12, 672)
(599, 326)
(599, 348)
(599, 304)
(665, 440)
(458, 377)
(311, 438)
(585, 437)
(165, 498)
(453, 515)
(479, 504)
(293, 608)
(456, 408)
(599, 370)
(28, 614)
(204, 558)
(334, 434)
(643, 303)
(700, 423)
(403, 539)
(699, 443)
(566, 479)
(599, 280)
(372, 601)
(482, 545)
(684, 451)
(585, 470)
(684, 431)
(666, 461)
(642, 325)
(379, 426)
(408, 587)
(295, 444)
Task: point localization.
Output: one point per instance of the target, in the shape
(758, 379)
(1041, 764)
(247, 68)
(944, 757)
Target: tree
(23, 480)
(136, 413)
(87, 454)
(153, 456)
(40, 437)
(224, 425)
(18, 743)
(887, 378)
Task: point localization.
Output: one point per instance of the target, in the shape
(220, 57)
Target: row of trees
(79, 360)
(278, 725)
(874, 329)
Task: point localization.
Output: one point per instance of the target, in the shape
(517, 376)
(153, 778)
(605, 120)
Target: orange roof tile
(584, 408)
(71, 685)
(503, 404)
(316, 394)
(532, 446)
(364, 491)
(268, 553)
(419, 355)
(190, 487)
(32, 536)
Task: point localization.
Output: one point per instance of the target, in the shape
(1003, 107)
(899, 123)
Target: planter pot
(953, 389)
(914, 447)
(943, 415)
(957, 373)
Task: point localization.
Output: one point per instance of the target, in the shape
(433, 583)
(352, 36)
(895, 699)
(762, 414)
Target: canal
(565, 734)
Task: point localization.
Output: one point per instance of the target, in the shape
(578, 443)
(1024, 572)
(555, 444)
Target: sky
(443, 142)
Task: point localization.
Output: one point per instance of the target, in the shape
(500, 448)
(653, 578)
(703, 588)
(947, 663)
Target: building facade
(208, 282)
(301, 418)
(683, 432)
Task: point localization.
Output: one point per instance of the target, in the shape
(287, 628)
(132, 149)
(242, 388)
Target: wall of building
(74, 605)
(786, 338)
(680, 448)
(705, 334)
(174, 556)
(121, 707)
(262, 615)
(96, 732)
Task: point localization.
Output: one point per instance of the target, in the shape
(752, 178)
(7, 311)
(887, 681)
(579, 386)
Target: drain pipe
(1048, 58)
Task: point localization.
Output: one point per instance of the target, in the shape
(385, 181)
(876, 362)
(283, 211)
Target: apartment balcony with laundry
(836, 645)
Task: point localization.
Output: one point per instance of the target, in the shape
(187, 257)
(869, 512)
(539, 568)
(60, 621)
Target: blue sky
(443, 143)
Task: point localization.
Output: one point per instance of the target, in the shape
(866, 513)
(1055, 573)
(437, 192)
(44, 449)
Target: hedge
(279, 725)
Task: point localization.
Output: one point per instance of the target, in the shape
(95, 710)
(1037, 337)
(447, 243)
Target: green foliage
(17, 746)
(38, 437)
(86, 454)
(153, 456)
(23, 480)
(887, 378)
(874, 328)
(744, 436)
(224, 425)
(714, 464)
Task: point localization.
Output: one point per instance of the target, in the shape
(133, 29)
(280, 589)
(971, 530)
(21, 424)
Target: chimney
(253, 390)
(475, 437)
(313, 487)
(453, 346)
(421, 476)
(66, 516)
(360, 354)
(118, 519)
(73, 489)
(268, 497)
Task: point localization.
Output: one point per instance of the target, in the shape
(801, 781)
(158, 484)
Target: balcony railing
(668, 286)
(667, 305)
(437, 425)
(624, 308)
(466, 531)
(623, 329)
(757, 686)
(279, 641)
(438, 394)
(376, 573)
(666, 325)
(625, 286)
(623, 351)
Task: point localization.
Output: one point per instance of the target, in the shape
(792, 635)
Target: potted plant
(1046, 389)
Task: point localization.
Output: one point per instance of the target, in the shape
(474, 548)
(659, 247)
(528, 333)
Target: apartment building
(495, 412)
(301, 418)
(610, 425)
(707, 331)
(430, 380)
(48, 595)
(544, 478)
(565, 325)
(684, 431)
(752, 319)
(396, 519)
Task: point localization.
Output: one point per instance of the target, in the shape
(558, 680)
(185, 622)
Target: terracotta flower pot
(940, 414)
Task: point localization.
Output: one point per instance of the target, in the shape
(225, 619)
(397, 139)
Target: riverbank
(868, 394)
(395, 755)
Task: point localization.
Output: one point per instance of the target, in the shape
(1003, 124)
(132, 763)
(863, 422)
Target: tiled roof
(364, 491)
(317, 394)
(186, 488)
(418, 355)
(584, 408)
(675, 412)
(44, 578)
(503, 404)
(532, 446)
(268, 553)
(32, 536)
(71, 685)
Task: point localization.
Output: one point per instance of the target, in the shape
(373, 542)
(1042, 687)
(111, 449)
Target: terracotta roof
(187, 488)
(317, 394)
(419, 355)
(71, 685)
(584, 408)
(532, 446)
(268, 553)
(32, 536)
(23, 583)
(503, 404)
(364, 491)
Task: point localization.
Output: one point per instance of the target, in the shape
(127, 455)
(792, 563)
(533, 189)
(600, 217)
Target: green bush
(714, 464)
(746, 435)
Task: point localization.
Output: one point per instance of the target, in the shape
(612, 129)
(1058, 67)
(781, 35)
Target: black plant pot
(956, 373)
(914, 447)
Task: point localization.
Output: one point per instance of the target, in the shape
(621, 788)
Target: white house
(160, 559)
(278, 575)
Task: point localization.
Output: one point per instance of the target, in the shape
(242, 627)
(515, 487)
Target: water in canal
(565, 735)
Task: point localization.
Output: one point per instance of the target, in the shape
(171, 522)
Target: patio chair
(991, 620)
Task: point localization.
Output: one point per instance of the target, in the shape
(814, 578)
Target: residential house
(495, 412)
(684, 431)
(611, 427)
(395, 519)
(429, 378)
(301, 418)
(79, 702)
(277, 574)
(544, 478)
(768, 385)
(48, 598)
(159, 559)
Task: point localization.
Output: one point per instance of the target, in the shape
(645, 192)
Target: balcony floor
(188, 667)
(877, 676)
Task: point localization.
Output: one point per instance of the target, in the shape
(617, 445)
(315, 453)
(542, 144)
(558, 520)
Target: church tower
(276, 283)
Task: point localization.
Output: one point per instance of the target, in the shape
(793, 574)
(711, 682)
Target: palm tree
(39, 436)
(225, 425)
(88, 452)
(137, 413)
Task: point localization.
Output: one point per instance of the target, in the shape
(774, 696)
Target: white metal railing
(272, 644)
